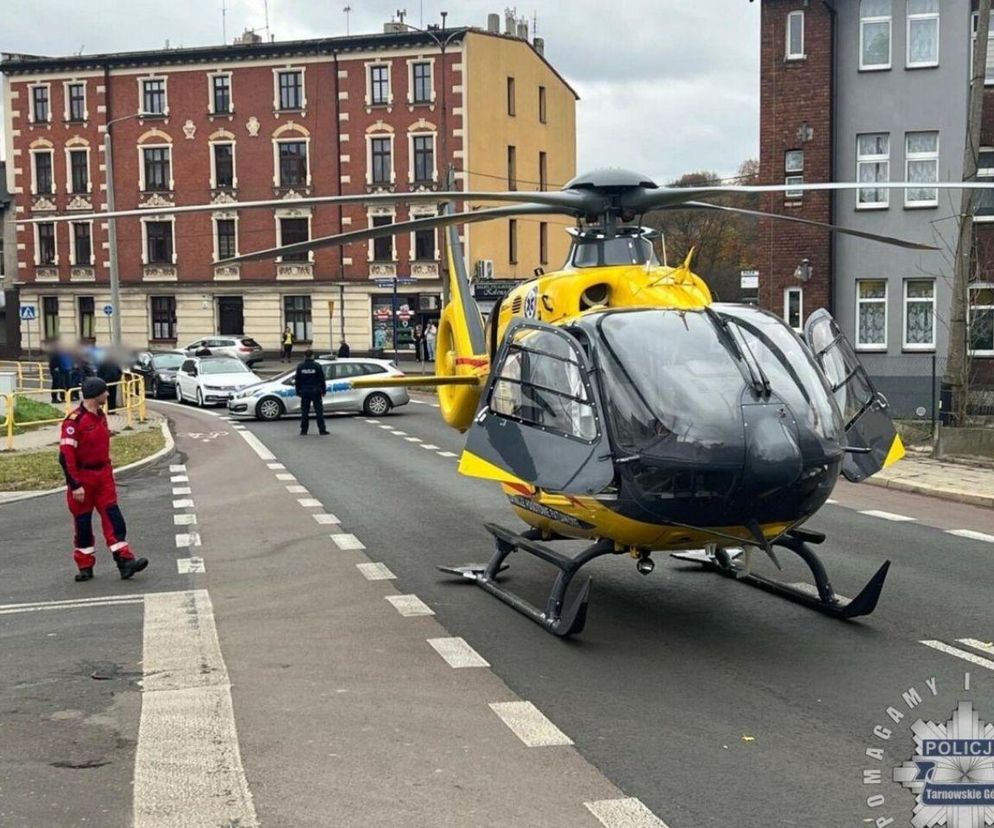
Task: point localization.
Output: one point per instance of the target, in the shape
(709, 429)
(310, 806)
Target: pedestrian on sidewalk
(310, 386)
(344, 351)
(431, 332)
(110, 372)
(286, 340)
(84, 454)
(59, 380)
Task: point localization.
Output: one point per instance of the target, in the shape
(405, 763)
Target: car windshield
(223, 366)
(164, 362)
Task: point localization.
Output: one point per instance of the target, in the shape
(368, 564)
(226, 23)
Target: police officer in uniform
(310, 387)
(84, 454)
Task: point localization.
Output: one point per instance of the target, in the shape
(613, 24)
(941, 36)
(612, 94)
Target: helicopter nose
(773, 454)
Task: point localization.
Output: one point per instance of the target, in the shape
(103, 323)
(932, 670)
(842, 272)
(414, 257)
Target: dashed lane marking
(457, 653)
(343, 540)
(309, 502)
(179, 478)
(374, 422)
(387, 427)
(409, 605)
(183, 504)
(373, 571)
(285, 476)
(181, 490)
(186, 540)
(325, 519)
(969, 533)
(413, 439)
(190, 566)
(296, 488)
(429, 446)
(529, 724)
(885, 515)
(399, 433)
(624, 813)
(179, 467)
(184, 519)
(963, 654)
(447, 454)
(275, 466)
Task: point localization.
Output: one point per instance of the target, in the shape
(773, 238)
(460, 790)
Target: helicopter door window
(850, 385)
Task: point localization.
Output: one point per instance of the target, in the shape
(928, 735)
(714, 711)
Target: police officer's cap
(93, 387)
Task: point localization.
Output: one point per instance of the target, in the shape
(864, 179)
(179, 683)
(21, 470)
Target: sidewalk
(963, 482)
(49, 435)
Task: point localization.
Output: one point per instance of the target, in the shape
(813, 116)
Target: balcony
(290, 271)
(159, 273)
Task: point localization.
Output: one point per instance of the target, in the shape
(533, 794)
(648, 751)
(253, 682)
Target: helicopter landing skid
(554, 619)
(819, 597)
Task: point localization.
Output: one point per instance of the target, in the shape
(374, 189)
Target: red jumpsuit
(84, 453)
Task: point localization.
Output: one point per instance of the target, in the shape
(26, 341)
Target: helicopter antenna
(347, 10)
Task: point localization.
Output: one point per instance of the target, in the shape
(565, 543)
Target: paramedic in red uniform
(84, 453)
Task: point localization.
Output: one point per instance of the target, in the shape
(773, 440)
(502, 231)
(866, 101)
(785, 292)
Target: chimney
(539, 44)
(493, 23)
(523, 30)
(509, 22)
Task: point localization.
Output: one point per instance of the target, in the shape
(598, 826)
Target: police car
(274, 398)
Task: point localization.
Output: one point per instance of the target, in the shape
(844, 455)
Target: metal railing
(29, 374)
(131, 404)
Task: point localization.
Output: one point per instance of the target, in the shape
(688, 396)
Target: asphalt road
(713, 703)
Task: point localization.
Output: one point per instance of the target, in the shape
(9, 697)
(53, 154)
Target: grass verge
(24, 471)
(28, 411)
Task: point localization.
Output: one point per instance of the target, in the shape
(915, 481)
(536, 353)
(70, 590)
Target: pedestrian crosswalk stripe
(189, 566)
(179, 478)
(183, 504)
(183, 541)
(181, 490)
(184, 519)
(179, 467)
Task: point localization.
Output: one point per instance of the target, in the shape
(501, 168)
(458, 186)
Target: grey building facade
(9, 324)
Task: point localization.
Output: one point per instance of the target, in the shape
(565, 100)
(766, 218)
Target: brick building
(254, 121)
(873, 91)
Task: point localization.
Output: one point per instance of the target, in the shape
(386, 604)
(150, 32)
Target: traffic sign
(109, 310)
(29, 312)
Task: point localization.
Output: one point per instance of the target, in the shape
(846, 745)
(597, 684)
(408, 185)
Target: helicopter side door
(539, 421)
(870, 433)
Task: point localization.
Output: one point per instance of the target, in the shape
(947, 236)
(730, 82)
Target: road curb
(166, 449)
(953, 495)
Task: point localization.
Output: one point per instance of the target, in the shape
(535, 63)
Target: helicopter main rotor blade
(368, 233)
(893, 240)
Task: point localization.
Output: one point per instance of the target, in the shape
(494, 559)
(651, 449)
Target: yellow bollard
(10, 422)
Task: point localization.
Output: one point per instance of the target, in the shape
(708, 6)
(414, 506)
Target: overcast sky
(666, 86)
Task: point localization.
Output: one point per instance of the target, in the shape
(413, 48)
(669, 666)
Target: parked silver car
(273, 398)
(240, 347)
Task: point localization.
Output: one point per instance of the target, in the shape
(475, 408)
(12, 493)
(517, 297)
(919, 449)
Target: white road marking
(983, 646)
(420, 402)
(184, 519)
(285, 476)
(373, 571)
(409, 605)
(388, 428)
(179, 467)
(179, 478)
(188, 540)
(181, 490)
(457, 653)
(969, 533)
(529, 724)
(624, 813)
(963, 654)
(183, 504)
(374, 422)
(429, 446)
(309, 502)
(275, 466)
(447, 454)
(885, 515)
(236, 426)
(399, 433)
(188, 566)
(188, 768)
(413, 439)
(830, 502)
(325, 519)
(343, 540)
(297, 489)
(75, 603)
(256, 445)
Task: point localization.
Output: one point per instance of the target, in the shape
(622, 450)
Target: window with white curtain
(795, 35)
(923, 33)
(985, 173)
(872, 166)
(982, 319)
(921, 166)
(874, 34)
(989, 75)
(871, 314)
(919, 314)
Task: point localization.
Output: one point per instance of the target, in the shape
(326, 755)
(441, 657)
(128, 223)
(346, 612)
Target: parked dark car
(158, 369)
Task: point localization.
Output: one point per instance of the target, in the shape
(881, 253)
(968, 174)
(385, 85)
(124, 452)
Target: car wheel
(376, 405)
(200, 397)
(179, 393)
(155, 390)
(269, 408)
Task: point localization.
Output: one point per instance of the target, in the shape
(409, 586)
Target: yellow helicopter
(614, 401)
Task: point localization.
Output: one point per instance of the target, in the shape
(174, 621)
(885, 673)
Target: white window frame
(872, 159)
(921, 156)
(410, 81)
(969, 311)
(418, 212)
(234, 160)
(368, 68)
(410, 154)
(55, 242)
(289, 138)
(141, 95)
(225, 215)
(872, 346)
(795, 180)
(141, 165)
(791, 18)
(916, 346)
(65, 97)
(34, 169)
(77, 146)
(277, 71)
(984, 174)
(210, 93)
(989, 64)
(378, 212)
(787, 293)
(793, 168)
(72, 245)
(863, 21)
(293, 214)
(144, 222)
(31, 103)
(385, 133)
(920, 17)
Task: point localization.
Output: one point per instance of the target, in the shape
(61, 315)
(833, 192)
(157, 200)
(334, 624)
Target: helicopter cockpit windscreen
(620, 250)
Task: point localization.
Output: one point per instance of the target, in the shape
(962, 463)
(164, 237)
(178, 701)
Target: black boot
(129, 566)
(85, 574)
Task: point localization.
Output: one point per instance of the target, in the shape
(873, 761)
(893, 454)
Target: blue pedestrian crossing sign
(108, 310)
(29, 312)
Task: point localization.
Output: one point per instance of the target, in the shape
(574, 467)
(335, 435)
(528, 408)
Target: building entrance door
(231, 320)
